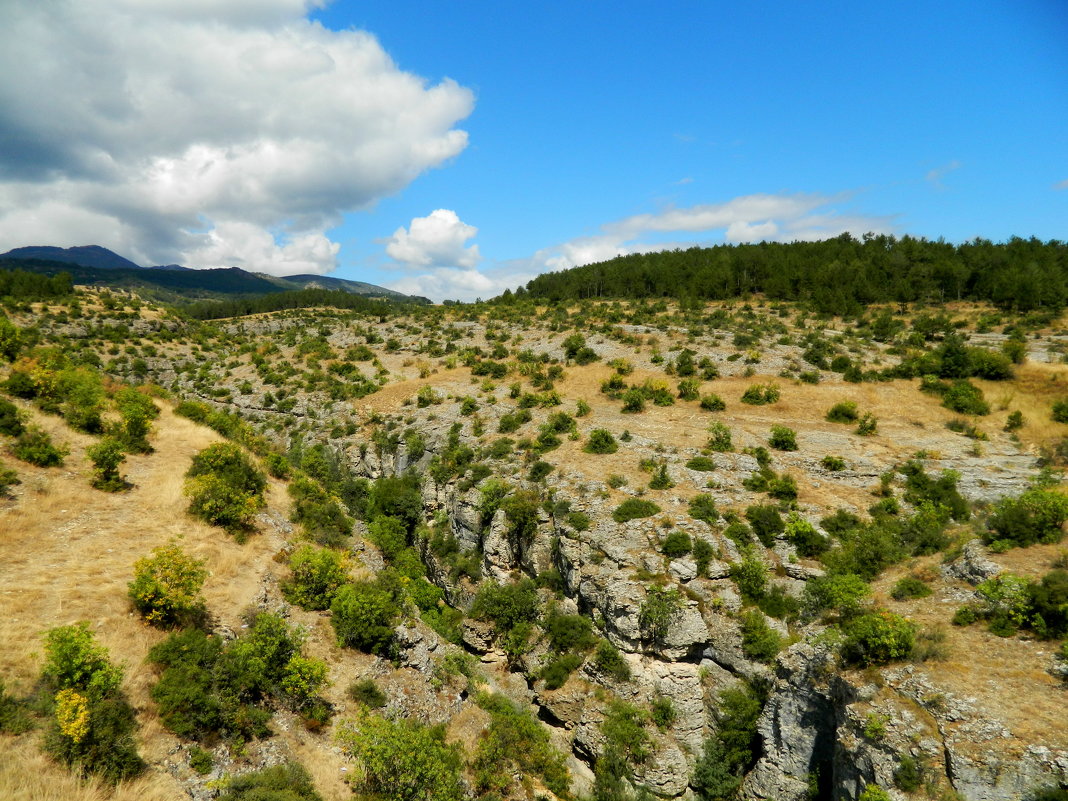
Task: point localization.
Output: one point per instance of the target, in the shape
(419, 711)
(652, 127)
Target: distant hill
(85, 255)
(173, 283)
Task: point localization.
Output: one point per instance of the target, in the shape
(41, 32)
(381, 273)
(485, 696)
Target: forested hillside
(836, 276)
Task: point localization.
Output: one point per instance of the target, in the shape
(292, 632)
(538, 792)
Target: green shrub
(224, 487)
(10, 419)
(166, 588)
(783, 438)
(634, 508)
(759, 640)
(760, 394)
(874, 792)
(661, 480)
(910, 774)
(720, 439)
(662, 713)
(877, 638)
(908, 588)
(201, 761)
(712, 403)
(539, 470)
(833, 463)
(633, 401)
(515, 745)
(842, 593)
(367, 693)
(401, 760)
(389, 534)
(106, 456)
(601, 441)
(35, 446)
(868, 425)
(658, 611)
(964, 397)
(363, 614)
(559, 669)
(1015, 421)
(676, 544)
(688, 389)
(136, 412)
(703, 507)
(608, 659)
(288, 782)
(318, 574)
(702, 464)
(579, 521)
(1049, 605)
(766, 521)
(751, 576)
(843, 412)
(1059, 411)
(92, 725)
(319, 513)
(805, 538)
(506, 605)
(1036, 516)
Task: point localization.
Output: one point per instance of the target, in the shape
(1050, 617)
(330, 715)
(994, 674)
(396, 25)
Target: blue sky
(503, 139)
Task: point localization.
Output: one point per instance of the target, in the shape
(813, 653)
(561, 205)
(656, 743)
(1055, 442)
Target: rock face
(972, 565)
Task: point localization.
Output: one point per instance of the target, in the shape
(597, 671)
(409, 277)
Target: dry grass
(66, 554)
(27, 775)
(1006, 679)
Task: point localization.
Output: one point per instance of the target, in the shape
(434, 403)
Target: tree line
(835, 276)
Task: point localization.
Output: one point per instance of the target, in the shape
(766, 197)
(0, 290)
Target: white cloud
(934, 176)
(1061, 185)
(750, 218)
(454, 283)
(437, 239)
(176, 127)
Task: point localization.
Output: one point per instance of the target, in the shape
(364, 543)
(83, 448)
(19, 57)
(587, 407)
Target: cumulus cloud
(750, 218)
(207, 132)
(439, 263)
(437, 239)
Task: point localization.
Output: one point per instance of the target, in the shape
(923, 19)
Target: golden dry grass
(1006, 679)
(67, 553)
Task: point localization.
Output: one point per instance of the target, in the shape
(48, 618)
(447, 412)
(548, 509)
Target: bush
(633, 509)
(805, 538)
(228, 462)
(751, 576)
(608, 659)
(909, 588)
(766, 521)
(783, 438)
(106, 456)
(676, 544)
(506, 605)
(761, 394)
(319, 513)
(868, 425)
(515, 745)
(318, 574)
(759, 640)
(658, 611)
(166, 588)
(877, 638)
(633, 401)
(288, 782)
(842, 593)
(712, 403)
(402, 760)
(1059, 411)
(35, 446)
(843, 412)
(10, 419)
(362, 615)
(1036, 516)
(366, 692)
(559, 669)
(661, 480)
(601, 441)
(965, 398)
(720, 439)
(92, 725)
(833, 463)
(702, 464)
(225, 489)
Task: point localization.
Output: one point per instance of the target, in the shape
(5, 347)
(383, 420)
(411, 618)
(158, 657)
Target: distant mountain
(95, 265)
(326, 282)
(85, 255)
